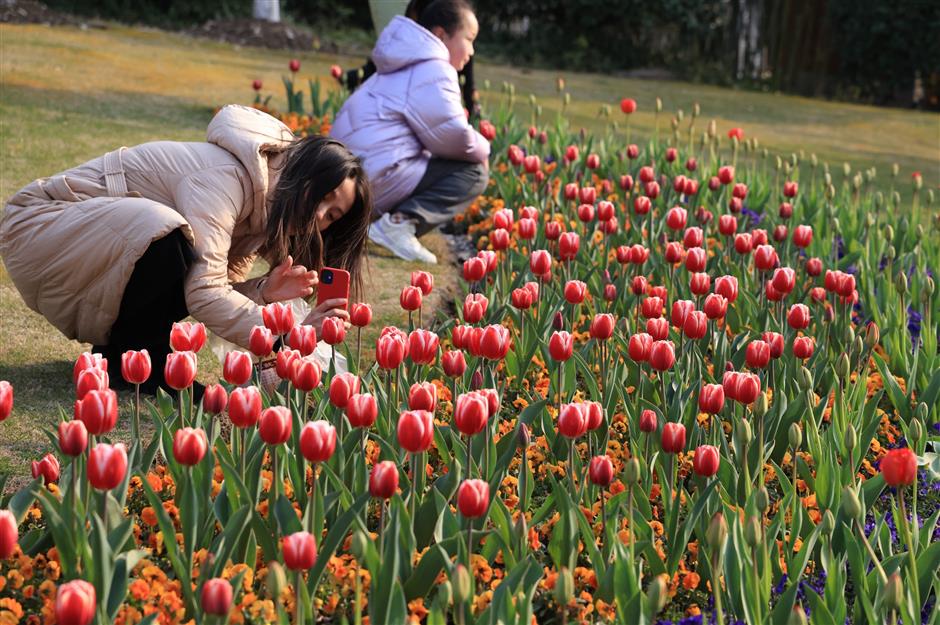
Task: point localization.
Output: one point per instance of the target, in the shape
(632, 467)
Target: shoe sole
(380, 238)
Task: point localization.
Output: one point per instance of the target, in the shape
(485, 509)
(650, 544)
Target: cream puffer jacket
(70, 241)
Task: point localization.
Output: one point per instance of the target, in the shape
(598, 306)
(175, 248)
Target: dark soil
(32, 12)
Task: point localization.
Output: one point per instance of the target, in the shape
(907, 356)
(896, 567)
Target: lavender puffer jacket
(407, 112)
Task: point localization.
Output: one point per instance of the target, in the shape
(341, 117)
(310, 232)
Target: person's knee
(480, 177)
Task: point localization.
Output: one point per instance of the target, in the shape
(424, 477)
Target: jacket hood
(404, 42)
(247, 133)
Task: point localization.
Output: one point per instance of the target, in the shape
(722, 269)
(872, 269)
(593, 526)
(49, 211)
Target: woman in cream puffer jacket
(179, 225)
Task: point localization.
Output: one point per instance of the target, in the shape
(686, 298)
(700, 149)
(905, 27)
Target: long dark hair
(314, 166)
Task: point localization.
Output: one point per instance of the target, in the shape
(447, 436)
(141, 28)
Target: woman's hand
(330, 308)
(288, 281)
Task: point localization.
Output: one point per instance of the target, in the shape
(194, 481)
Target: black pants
(153, 300)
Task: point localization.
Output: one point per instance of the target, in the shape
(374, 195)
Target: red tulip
(790, 188)
(473, 498)
(317, 441)
(575, 291)
(244, 407)
(641, 205)
(216, 597)
(605, 211)
(639, 286)
(673, 438)
(798, 316)
(775, 341)
(47, 467)
(487, 129)
(700, 283)
(627, 105)
(633, 151)
(383, 480)
(391, 348)
(303, 338)
(423, 346)
(680, 310)
(802, 236)
(571, 155)
(532, 163)
(502, 219)
(899, 467)
(422, 396)
(571, 189)
(759, 237)
(727, 225)
(560, 346)
(716, 306)
(256, 84)
(695, 259)
(818, 294)
(471, 413)
(91, 380)
(237, 367)
(495, 342)
(499, 238)
(294, 65)
(739, 191)
(360, 315)
(187, 337)
(587, 195)
(706, 459)
(474, 307)
(639, 347)
(662, 355)
(786, 210)
(651, 308)
(73, 438)
(658, 329)
(98, 411)
(521, 299)
(180, 369)
(415, 430)
(572, 422)
(540, 262)
(693, 237)
(743, 243)
(515, 154)
(648, 421)
(342, 387)
(9, 534)
(814, 267)
(593, 412)
(780, 233)
(278, 318)
(746, 388)
(727, 287)
(361, 410)
(568, 245)
(453, 363)
(260, 341)
(305, 373)
(803, 347)
(410, 298)
(765, 257)
(189, 446)
(691, 187)
(726, 174)
(757, 354)
(610, 292)
(135, 366)
(527, 228)
(676, 218)
(214, 399)
(553, 230)
(6, 399)
(784, 279)
(585, 212)
(711, 398)
(107, 465)
(300, 551)
(696, 325)
(602, 327)
(275, 425)
(333, 330)
(75, 603)
(673, 252)
(601, 471)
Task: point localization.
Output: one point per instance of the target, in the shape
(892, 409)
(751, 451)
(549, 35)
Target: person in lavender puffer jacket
(407, 123)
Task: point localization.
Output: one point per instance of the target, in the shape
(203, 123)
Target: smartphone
(334, 284)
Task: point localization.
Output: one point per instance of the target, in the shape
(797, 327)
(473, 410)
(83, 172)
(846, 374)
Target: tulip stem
(299, 604)
(274, 482)
(104, 510)
(469, 457)
(311, 507)
(414, 487)
(630, 520)
(358, 349)
(871, 553)
(571, 467)
(909, 539)
(135, 432)
(182, 421)
(716, 587)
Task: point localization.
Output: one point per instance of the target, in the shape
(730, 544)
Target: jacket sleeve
(210, 201)
(435, 113)
(238, 269)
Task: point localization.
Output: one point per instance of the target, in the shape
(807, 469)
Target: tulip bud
(564, 587)
(476, 380)
(795, 435)
(445, 595)
(657, 593)
(762, 499)
(894, 592)
(842, 366)
(524, 437)
(804, 378)
(851, 506)
(850, 438)
(359, 545)
(797, 616)
(761, 406)
(276, 580)
(828, 523)
(463, 584)
(742, 431)
(916, 431)
(900, 282)
(753, 532)
(872, 335)
(631, 472)
(717, 532)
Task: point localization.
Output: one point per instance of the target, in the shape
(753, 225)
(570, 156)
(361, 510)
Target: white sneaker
(399, 238)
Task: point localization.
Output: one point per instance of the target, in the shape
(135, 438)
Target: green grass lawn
(70, 94)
